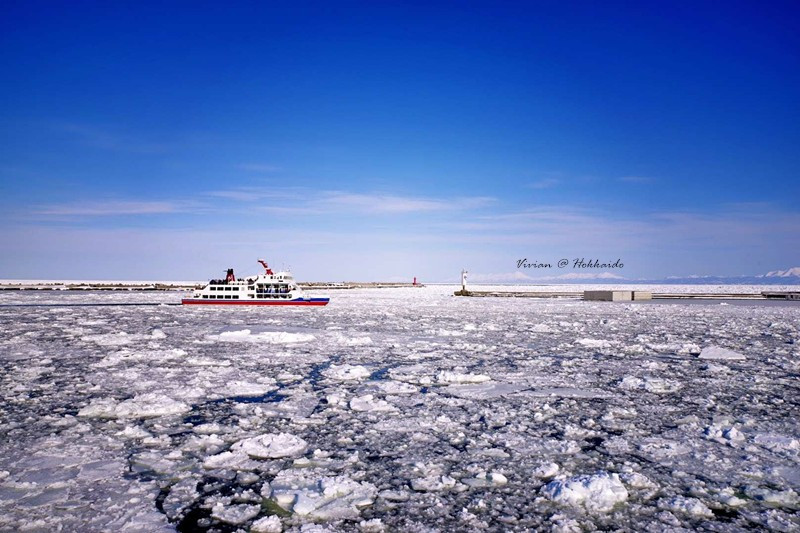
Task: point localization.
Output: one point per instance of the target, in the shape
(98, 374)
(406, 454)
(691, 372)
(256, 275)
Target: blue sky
(385, 140)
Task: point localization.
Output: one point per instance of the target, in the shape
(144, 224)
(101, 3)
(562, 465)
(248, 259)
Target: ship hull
(299, 301)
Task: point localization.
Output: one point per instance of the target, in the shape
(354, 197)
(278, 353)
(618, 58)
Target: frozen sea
(399, 410)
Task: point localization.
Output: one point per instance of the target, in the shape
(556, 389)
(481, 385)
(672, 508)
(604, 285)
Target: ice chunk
(369, 403)
(782, 498)
(230, 461)
(486, 480)
(245, 388)
(482, 391)
(432, 478)
(347, 372)
(372, 526)
(658, 449)
(111, 339)
(433, 483)
(545, 470)
(631, 383)
(728, 497)
(268, 524)
(690, 506)
(235, 514)
(309, 492)
(448, 376)
(354, 341)
(715, 352)
(147, 405)
(598, 492)
(180, 497)
(638, 481)
(723, 434)
(649, 384)
(267, 337)
(271, 446)
(777, 442)
(396, 387)
(593, 343)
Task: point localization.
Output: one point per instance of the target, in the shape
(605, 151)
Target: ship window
(205, 296)
(236, 297)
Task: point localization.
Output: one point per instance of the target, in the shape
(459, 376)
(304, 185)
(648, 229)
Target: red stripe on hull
(245, 302)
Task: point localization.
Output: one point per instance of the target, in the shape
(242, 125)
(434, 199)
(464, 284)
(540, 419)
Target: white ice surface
(416, 410)
(271, 446)
(716, 352)
(312, 493)
(598, 492)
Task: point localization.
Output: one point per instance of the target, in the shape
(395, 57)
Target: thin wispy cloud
(637, 179)
(111, 208)
(310, 202)
(108, 139)
(256, 194)
(279, 201)
(258, 167)
(118, 208)
(387, 204)
(545, 183)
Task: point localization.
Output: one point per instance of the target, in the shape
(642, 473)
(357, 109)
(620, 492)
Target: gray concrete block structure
(608, 296)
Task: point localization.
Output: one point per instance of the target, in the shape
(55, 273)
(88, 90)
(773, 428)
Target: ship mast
(267, 269)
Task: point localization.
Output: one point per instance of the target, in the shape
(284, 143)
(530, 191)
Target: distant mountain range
(792, 272)
(790, 276)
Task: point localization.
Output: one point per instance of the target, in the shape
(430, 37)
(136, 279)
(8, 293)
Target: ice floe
(316, 494)
(347, 372)
(268, 524)
(691, 506)
(716, 352)
(271, 446)
(449, 376)
(597, 492)
(146, 405)
(235, 515)
(371, 404)
(267, 337)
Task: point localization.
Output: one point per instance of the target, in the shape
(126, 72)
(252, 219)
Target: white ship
(269, 288)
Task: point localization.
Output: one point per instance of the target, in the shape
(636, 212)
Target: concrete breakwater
(628, 295)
